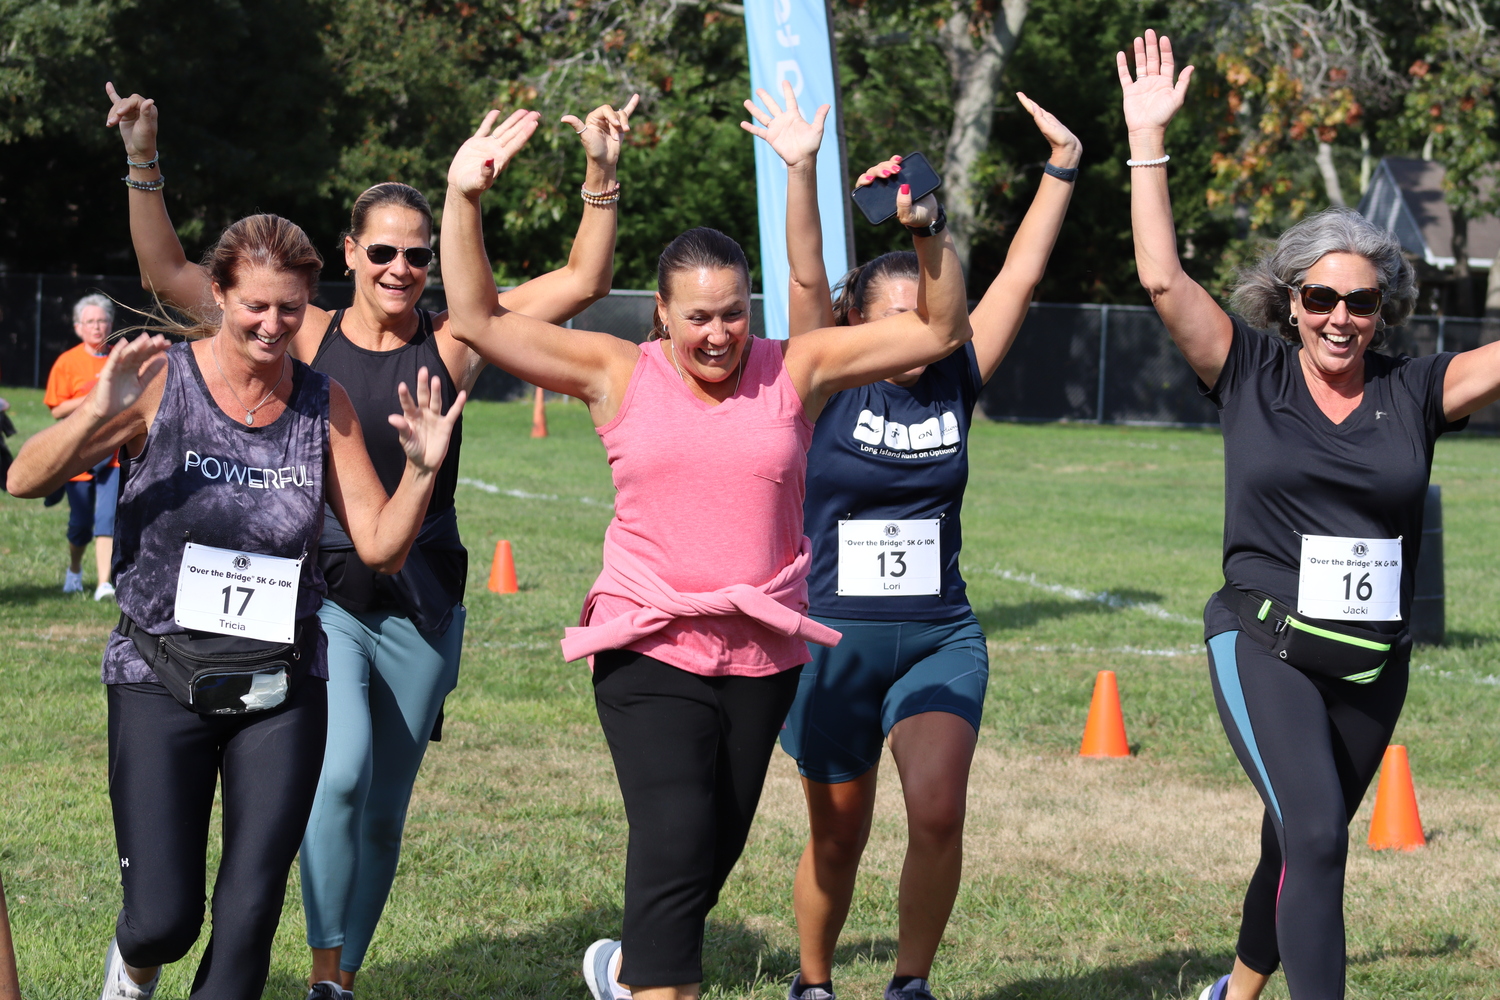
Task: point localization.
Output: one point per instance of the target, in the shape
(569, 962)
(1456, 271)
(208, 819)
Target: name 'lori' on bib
(889, 558)
(1350, 579)
(237, 593)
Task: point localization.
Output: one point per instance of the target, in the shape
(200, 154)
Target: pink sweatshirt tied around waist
(772, 604)
(705, 561)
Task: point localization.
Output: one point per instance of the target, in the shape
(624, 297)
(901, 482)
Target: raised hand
(422, 428)
(136, 116)
(485, 154)
(1066, 149)
(922, 213)
(131, 366)
(1153, 97)
(794, 139)
(603, 130)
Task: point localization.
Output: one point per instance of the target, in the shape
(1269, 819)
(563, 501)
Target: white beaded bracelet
(1148, 163)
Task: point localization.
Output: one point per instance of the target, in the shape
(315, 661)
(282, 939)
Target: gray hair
(1260, 294)
(102, 301)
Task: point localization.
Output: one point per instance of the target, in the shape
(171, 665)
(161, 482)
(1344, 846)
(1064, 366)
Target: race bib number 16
(889, 558)
(237, 593)
(1350, 579)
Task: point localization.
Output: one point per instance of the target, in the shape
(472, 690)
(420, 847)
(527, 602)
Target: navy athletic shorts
(851, 696)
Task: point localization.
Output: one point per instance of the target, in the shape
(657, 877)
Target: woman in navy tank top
(885, 486)
(394, 639)
(234, 448)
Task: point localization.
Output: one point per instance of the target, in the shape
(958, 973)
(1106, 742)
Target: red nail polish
(885, 173)
(906, 189)
(896, 158)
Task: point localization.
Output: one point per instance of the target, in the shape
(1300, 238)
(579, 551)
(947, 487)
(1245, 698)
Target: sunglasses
(381, 253)
(1321, 299)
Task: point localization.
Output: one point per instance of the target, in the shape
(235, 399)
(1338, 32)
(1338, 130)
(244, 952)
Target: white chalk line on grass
(480, 484)
(1098, 597)
(1074, 647)
(1488, 680)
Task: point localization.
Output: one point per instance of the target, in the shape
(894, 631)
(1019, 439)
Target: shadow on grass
(1461, 639)
(1171, 974)
(998, 617)
(29, 594)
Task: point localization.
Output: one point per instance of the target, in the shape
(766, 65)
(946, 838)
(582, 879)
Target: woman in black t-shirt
(1327, 452)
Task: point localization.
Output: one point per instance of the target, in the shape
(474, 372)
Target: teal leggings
(386, 683)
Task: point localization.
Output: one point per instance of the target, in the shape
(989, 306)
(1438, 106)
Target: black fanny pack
(1343, 651)
(216, 674)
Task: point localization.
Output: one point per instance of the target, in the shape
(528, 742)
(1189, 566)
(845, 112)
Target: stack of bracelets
(155, 185)
(600, 199)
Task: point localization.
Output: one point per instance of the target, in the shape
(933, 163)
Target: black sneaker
(328, 990)
(917, 989)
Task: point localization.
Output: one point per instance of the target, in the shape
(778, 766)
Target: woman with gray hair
(1327, 452)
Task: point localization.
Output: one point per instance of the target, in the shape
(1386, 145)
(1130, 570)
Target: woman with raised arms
(394, 639)
(1327, 452)
(696, 625)
(913, 664)
(234, 450)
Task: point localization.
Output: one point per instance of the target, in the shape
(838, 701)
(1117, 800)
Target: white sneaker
(104, 590)
(328, 990)
(73, 583)
(117, 984)
(601, 966)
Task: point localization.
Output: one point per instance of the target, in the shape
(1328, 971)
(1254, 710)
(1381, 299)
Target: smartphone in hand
(878, 200)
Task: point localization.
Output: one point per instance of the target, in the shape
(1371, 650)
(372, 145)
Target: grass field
(1086, 548)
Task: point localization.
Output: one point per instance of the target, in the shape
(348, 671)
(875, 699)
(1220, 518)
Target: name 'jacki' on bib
(1350, 579)
(238, 593)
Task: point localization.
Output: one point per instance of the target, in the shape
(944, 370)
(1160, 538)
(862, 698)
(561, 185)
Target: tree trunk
(1463, 285)
(1366, 163)
(976, 72)
(1331, 186)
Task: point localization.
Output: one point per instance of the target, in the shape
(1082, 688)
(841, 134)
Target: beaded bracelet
(155, 185)
(143, 166)
(1158, 162)
(599, 199)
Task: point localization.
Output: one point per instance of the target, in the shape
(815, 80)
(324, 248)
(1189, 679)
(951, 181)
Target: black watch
(934, 227)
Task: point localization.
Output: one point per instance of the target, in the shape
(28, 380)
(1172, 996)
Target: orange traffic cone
(1104, 733)
(539, 415)
(1396, 822)
(503, 570)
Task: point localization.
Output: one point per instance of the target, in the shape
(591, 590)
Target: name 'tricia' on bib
(237, 593)
(889, 558)
(1350, 579)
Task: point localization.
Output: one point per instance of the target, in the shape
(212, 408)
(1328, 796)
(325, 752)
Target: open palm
(131, 366)
(1153, 97)
(421, 426)
(794, 139)
(485, 154)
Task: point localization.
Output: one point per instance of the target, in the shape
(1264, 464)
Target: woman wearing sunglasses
(1327, 452)
(394, 639)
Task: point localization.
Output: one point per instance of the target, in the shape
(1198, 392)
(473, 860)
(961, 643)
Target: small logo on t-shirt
(1380, 413)
(938, 431)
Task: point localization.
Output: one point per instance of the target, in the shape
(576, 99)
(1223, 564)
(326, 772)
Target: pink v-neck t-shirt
(709, 497)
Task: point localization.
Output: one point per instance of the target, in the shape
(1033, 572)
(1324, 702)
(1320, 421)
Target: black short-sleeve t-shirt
(1290, 471)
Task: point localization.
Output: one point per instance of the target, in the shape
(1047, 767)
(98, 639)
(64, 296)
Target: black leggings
(1310, 744)
(164, 761)
(691, 755)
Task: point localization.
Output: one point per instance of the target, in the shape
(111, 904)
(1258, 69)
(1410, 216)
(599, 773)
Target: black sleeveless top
(203, 477)
(432, 582)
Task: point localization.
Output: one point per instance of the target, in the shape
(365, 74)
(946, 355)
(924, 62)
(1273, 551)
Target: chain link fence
(1089, 363)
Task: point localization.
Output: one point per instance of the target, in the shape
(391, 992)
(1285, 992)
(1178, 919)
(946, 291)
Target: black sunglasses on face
(1321, 299)
(381, 253)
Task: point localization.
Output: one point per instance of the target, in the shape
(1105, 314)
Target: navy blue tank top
(893, 453)
(203, 477)
(432, 581)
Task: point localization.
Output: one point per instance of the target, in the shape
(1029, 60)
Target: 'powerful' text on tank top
(230, 471)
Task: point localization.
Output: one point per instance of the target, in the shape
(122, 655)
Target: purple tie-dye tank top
(205, 478)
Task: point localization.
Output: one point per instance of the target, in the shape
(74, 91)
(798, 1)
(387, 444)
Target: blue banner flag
(791, 40)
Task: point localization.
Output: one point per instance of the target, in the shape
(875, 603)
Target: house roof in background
(1405, 196)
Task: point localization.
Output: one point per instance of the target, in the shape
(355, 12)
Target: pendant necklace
(739, 371)
(249, 410)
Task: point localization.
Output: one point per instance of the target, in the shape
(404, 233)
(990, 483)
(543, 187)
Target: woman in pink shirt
(697, 624)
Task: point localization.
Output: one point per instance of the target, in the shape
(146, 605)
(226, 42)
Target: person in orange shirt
(92, 495)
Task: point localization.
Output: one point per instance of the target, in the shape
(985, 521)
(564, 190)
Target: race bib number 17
(1350, 579)
(237, 593)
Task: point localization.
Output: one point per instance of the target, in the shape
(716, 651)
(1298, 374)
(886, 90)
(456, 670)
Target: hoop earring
(348, 271)
(1292, 320)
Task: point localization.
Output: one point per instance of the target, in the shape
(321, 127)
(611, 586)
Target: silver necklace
(249, 410)
(739, 369)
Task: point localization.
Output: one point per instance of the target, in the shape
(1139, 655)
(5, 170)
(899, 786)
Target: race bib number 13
(237, 593)
(889, 558)
(1350, 579)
